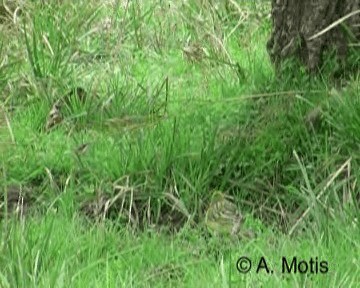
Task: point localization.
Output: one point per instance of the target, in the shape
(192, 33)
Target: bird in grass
(54, 117)
(222, 216)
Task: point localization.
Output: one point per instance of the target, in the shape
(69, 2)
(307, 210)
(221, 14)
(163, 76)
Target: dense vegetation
(119, 119)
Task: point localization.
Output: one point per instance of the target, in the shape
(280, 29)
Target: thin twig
(334, 24)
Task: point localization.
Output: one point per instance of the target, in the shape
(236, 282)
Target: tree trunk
(296, 22)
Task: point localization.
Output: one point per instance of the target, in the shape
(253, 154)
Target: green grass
(180, 100)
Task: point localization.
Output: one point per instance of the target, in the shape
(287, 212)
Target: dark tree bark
(295, 22)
